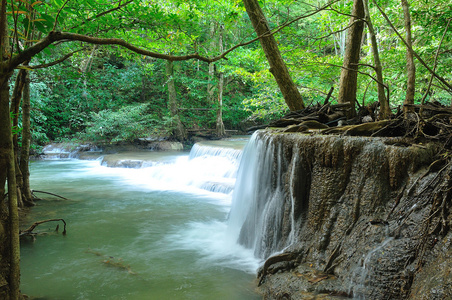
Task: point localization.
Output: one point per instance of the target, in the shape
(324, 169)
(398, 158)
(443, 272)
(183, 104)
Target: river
(156, 232)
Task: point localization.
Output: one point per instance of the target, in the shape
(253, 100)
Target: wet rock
(122, 163)
(361, 210)
(434, 281)
(167, 146)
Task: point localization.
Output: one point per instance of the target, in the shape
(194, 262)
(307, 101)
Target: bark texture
(220, 125)
(278, 68)
(9, 227)
(349, 74)
(179, 131)
(410, 66)
(385, 110)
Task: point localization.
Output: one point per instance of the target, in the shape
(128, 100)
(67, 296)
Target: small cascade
(208, 168)
(65, 150)
(217, 166)
(202, 150)
(57, 151)
(259, 201)
(364, 274)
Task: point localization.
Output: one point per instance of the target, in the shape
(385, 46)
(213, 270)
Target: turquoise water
(150, 233)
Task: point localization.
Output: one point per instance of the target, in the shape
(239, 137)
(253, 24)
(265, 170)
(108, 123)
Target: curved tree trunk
(410, 66)
(349, 75)
(385, 110)
(277, 66)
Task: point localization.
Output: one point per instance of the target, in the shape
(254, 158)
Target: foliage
(112, 83)
(126, 124)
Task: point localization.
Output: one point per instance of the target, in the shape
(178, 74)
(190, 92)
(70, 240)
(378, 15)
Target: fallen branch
(29, 230)
(35, 191)
(112, 261)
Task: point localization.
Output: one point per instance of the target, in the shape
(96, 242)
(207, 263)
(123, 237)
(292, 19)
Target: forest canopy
(110, 93)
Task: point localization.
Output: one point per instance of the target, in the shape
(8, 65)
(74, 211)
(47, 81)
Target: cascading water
(207, 168)
(259, 200)
(165, 222)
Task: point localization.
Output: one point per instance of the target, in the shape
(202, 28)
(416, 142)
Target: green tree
(15, 56)
(277, 66)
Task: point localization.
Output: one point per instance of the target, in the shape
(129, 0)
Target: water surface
(158, 232)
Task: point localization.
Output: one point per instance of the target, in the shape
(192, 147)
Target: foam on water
(216, 247)
(204, 171)
(207, 173)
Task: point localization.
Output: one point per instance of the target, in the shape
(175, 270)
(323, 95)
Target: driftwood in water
(112, 261)
(42, 192)
(29, 230)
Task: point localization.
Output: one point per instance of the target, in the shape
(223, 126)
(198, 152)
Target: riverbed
(155, 232)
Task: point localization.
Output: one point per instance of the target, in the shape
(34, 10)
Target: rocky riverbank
(351, 217)
(124, 155)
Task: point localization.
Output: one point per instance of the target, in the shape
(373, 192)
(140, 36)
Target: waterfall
(259, 201)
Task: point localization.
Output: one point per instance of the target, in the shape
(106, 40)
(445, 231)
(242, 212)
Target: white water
(209, 173)
(258, 199)
(167, 220)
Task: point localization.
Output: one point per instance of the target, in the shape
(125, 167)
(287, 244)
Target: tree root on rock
(429, 122)
(283, 257)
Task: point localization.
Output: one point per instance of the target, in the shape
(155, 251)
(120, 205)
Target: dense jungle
(120, 72)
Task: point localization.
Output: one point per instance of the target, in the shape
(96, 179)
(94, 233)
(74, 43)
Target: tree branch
(285, 24)
(35, 224)
(441, 79)
(53, 63)
(434, 64)
(56, 36)
(58, 14)
(102, 14)
(363, 73)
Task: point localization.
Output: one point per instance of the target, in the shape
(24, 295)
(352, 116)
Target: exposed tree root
(437, 223)
(283, 257)
(428, 122)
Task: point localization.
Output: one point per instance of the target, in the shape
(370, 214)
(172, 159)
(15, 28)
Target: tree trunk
(14, 110)
(277, 66)
(385, 110)
(220, 124)
(178, 130)
(9, 215)
(9, 227)
(349, 74)
(210, 83)
(27, 198)
(410, 66)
